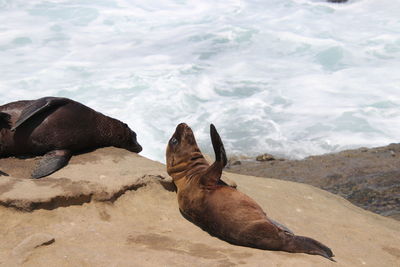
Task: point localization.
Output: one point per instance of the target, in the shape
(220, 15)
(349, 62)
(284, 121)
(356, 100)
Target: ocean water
(289, 77)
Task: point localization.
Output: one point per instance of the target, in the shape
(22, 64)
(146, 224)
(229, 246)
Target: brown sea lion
(57, 128)
(222, 210)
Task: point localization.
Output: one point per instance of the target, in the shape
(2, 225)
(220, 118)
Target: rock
(337, 1)
(237, 162)
(143, 226)
(265, 157)
(368, 178)
(81, 181)
(22, 251)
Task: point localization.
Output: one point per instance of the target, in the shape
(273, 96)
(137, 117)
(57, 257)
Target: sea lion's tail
(302, 244)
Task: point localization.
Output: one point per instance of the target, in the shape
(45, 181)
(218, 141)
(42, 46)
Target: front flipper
(218, 146)
(38, 106)
(3, 174)
(213, 174)
(51, 162)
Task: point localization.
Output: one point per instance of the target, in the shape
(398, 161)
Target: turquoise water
(288, 77)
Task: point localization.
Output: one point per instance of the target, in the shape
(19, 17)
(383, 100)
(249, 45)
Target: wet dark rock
(369, 178)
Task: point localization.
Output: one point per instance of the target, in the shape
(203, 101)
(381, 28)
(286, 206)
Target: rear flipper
(51, 162)
(302, 244)
(38, 106)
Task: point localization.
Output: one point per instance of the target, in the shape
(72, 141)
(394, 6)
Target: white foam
(290, 77)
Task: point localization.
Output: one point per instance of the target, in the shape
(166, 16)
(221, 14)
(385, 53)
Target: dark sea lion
(222, 210)
(57, 128)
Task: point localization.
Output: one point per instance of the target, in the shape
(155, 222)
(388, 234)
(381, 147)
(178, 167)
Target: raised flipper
(219, 150)
(38, 106)
(51, 162)
(213, 174)
(5, 120)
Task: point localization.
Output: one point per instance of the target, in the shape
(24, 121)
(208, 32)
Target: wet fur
(60, 127)
(221, 210)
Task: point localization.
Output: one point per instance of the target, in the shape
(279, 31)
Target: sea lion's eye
(174, 141)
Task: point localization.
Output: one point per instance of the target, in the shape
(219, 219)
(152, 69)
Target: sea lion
(57, 128)
(221, 210)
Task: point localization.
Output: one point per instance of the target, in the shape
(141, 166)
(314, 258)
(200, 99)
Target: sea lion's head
(126, 138)
(182, 148)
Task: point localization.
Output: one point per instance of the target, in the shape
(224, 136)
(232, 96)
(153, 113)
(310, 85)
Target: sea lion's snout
(137, 148)
(129, 141)
(181, 145)
(184, 134)
(180, 135)
(181, 129)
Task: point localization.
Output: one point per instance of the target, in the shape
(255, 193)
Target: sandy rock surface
(141, 224)
(76, 183)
